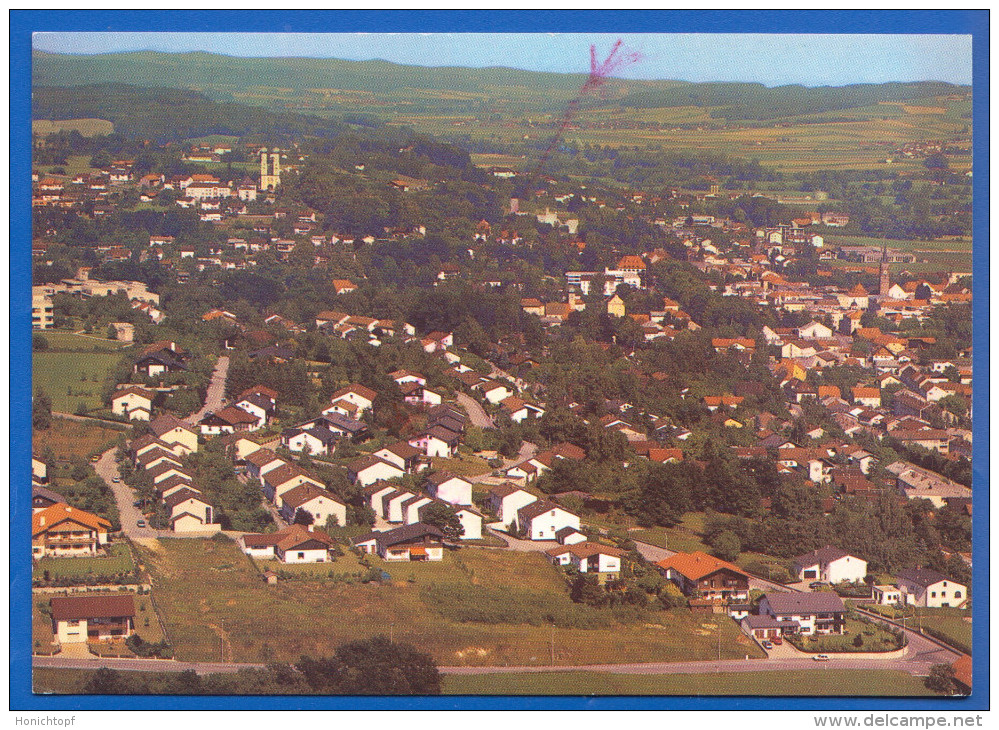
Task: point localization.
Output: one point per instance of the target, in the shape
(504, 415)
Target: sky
(811, 60)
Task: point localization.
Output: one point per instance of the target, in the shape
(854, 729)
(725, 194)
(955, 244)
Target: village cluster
(407, 484)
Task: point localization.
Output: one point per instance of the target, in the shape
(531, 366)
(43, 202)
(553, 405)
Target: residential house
(43, 497)
(318, 503)
(189, 512)
(813, 613)
(262, 461)
(416, 542)
(588, 557)
(437, 441)
(133, 402)
(367, 470)
(829, 564)
(404, 456)
(82, 619)
(360, 397)
(450, 488)
(520, 410)
(60, 530)
(886, 595)
(699, 575)
(293, 544)
(285, 478)
(506, 500)
(171, 430)
(541, 520)
(930, 589)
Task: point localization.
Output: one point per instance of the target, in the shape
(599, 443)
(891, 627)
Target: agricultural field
(68, 438)
(86, 127)
(436, 606)
(75, 165)
(844, 682)
(74, 369)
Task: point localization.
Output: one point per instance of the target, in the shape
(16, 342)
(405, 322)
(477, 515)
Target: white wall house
(930, 589)
(540, 520)
(831, 565)
(450, 488)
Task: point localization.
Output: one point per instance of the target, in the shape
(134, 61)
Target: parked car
(137, 503)
(140, 523)
(768, 645)
(817, 584)
(778, 641)
(95, 458)
(821, 658)
(115, 480)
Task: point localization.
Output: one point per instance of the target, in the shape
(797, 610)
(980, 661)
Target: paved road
(476, 414)
(216, 390)
(107, 469)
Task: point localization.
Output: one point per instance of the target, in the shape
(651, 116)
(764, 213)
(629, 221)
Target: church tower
(270, 169)
(885, 273)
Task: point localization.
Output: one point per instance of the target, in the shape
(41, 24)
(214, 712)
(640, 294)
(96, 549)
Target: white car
(820, 658)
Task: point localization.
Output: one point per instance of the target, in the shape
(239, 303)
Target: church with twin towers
(270, 169)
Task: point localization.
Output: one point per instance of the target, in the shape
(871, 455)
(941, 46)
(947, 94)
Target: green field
(684, 537)
(86, 127)
(74, 369)
(118, 560)
(296, 617)
(826, 682)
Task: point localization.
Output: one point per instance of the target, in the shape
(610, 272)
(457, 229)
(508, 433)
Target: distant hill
(171, 115)
(323, 84)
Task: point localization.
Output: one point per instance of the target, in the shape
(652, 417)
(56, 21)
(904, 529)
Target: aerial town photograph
(506, 364)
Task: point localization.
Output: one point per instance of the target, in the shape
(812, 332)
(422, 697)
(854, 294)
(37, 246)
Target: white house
(887, 595)
(814, 613)
(450, 488)
(319, 503)
(261, 461)
(494, 391)
(135, 403)
(507, 500)
(930, 589)
(471, 523)
(360, 397)
(293, 544)
(369, 469)
(587, 557)
(814, 331)
(541, 520)
(831, 565)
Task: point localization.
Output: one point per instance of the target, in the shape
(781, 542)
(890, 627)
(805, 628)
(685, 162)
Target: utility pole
(553, 644)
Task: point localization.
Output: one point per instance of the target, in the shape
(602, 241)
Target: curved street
(215, 394)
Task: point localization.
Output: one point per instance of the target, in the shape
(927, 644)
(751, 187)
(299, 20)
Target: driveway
(523, 546)
(476, 413)
(216, 390)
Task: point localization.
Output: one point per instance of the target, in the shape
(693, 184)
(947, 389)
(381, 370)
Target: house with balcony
(703, 576)
(64, 531)
(81, 619)
(812, 613)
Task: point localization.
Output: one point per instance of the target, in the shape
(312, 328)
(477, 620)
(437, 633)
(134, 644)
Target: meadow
(74, 369)
(828, 682)
(68, 438)
(201, 583)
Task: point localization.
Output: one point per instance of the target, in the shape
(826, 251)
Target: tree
(304, 517)
(727, 545)
(374, 666)
(39, 343)
(103, 682)
(941, 679)
(41, 411)
(442, 516)
(586, 589)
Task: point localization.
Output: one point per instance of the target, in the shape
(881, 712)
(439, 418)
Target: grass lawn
(684, 537)
(875, 638)
(804, 683)
(200, 583)
(75, 438)
(118, 561)
(464, 466)
(60, 340)
(71, 378)
(41, 625)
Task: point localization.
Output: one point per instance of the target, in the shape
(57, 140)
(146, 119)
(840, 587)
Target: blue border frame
(23, 23)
